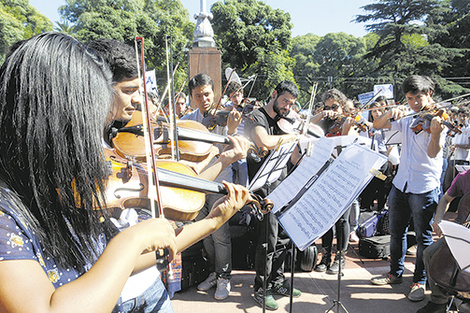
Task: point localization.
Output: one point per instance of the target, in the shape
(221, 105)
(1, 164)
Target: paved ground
(357, 294)
(320, 291)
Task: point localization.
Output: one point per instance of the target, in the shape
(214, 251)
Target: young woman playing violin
(332, 119)
(55, 255)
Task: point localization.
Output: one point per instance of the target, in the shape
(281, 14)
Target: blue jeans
(154, 299)
(402, 206)
(240, 172)
(218, 245)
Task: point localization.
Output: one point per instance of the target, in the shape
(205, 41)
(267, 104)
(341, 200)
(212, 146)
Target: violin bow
(252, 85)
(310, 107)
(170, 82)
(148, 135)
(220, 101)
(168, 87)
(439, 105)
(377, 94)
(154, 187)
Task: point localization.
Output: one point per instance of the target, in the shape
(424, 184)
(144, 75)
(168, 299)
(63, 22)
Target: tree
(18, 21)
(122, 20)
(451, 25)
(252, 35)
(65, 28)
(394, 20)
(303, 50)
(403, 47)
(334, 60)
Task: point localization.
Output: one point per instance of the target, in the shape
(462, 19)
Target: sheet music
(271, 169)
(328, 197)
(458, 240)
(289, 187)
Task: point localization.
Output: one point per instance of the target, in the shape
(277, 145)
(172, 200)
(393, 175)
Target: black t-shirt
(261, 118)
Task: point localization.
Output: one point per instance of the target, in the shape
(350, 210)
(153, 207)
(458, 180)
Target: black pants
(278, 242)
(342, 235)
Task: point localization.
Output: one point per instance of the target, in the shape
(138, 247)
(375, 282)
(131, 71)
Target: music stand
(269, 172)
(337, 302)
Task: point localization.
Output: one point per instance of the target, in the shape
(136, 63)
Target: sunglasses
(334, 107)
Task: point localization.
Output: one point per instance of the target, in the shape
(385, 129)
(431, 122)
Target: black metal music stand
(279, 163)
(337, 302)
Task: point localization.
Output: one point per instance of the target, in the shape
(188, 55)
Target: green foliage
(422, 37)
(253, 36)
(271, 68)
(393, 21)
(334, 60)
(154, 20)
(18, 21)
(453, 23)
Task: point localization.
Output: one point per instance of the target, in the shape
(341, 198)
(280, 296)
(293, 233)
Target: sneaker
(417, 292)
(387, 279)
(412, 250)
(223, 288)
(353, 237)
(334, 269)
(284, 290)
(321, 268)
(432, 307)
(271, 303)
(324, 263)
(207, 284)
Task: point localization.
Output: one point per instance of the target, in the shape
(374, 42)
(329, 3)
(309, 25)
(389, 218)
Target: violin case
(194, 267)
(375, 247)
(370, 221)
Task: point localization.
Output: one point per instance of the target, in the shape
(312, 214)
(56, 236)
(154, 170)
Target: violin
(423, 121)
(127, 187)
(129, 140)
(293, 124)
(337, 126)
(194, 140)
(220, 117)
(183, 193)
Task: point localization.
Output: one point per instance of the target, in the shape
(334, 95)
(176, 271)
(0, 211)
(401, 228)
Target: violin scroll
(260, 206)
(293, 124)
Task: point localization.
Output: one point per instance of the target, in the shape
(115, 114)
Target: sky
(318, 17)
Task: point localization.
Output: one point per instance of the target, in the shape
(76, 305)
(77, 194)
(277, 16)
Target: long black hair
(54, 98)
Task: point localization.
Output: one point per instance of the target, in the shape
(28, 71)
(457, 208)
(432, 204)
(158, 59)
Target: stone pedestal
(207, 60)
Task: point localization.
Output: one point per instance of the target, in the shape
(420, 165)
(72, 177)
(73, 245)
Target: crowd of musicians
(63, 104)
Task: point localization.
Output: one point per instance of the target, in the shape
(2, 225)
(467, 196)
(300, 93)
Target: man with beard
(264, 132)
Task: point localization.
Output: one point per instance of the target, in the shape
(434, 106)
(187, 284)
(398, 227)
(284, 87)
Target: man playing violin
(120, 57)
(235, 93)
(460, 147)
(218, 246)
(415, 187)
(265, 132)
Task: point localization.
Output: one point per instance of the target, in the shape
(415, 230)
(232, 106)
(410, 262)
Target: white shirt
(417, 171)
(197, 116)
(461, 139)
